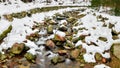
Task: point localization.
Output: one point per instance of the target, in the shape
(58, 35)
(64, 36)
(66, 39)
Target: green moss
(17, 48)
(4, 34)
(30, 57)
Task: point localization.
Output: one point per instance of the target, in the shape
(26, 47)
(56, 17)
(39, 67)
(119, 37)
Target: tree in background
(115, 4)
(96, 3)
(117, 7)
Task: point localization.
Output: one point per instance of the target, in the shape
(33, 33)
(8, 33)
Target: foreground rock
(116, 50)
(17, 48)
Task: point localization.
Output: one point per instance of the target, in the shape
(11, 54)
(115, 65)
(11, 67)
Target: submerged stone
(57, 59)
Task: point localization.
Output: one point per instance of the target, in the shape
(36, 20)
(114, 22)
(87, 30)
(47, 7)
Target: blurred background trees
(115, 4)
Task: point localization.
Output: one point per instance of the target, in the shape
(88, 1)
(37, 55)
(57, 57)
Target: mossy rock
(30, 56)
(33, 11)
(17, 48)
(23, 14)
(98, 57)
(4, 33)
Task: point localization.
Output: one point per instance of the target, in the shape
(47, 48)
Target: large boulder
(116, 50)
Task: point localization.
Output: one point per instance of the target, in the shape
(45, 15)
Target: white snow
(32, 51)
(67, 61)
(101, 66)
(78, 43)
(4, 25)
(51, 54)
(60, 33)
(89, 58)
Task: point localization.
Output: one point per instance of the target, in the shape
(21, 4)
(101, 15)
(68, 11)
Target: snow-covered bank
(18, 6)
